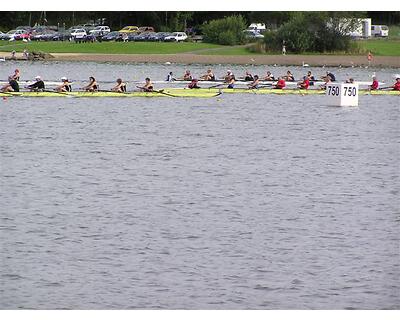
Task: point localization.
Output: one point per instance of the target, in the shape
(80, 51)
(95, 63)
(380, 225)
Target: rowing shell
(185, 93)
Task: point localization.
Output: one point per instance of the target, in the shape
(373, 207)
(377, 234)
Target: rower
(248, 77)
(209, 76)
(92, 86)
(329, 75)
(16, 75)
(65, 86)
(396, 86)
(194, 84)
(187, 76)
(310, 77)
(231, 81)
(120, 87)
(289, 76)
(304, 84)
(228, 76)
(255, 83)
(375, 84)
(170, 77)
(38, 85)
(148, 86)
(269, 77)
(281, 83)
(12, 86)
(327, 80)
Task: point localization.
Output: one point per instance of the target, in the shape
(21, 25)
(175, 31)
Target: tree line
(162, 20)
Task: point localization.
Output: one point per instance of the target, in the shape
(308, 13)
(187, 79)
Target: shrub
(226, 31)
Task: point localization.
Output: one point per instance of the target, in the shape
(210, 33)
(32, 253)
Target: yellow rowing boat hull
(188, 93)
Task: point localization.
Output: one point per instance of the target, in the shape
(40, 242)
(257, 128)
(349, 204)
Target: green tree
(226, 31)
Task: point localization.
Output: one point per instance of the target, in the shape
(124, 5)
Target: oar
(162, 92)
(217, 85)
(385, 88)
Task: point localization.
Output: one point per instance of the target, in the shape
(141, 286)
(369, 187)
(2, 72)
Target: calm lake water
(240, 202)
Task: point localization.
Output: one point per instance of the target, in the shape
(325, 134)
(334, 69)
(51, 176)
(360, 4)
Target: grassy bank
(379, 47)
(107, 47)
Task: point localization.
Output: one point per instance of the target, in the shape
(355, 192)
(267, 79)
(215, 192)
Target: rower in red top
(304, 84)
(396, 86)
(280, 84)
(194, 84)
(375, 84)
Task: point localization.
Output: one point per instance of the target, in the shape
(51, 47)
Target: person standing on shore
(369, 58)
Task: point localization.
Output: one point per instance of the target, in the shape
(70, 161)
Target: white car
(176, 36)
(78, 34)
(251, 34)
(14, 33)
(100, 31)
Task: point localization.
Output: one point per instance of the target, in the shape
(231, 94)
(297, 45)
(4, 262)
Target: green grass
(381, 47)
(107, 47)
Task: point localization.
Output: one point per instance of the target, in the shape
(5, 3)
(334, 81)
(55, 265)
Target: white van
(379, 31)
(100, 31)
(260, 27)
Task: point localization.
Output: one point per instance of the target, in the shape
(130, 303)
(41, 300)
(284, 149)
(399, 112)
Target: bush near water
(226, 31)
(311, 32)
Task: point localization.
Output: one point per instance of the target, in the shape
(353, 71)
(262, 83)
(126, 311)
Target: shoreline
(190, 58)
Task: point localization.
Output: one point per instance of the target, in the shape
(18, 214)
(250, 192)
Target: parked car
(159, 36)
(78, 34)
(146, 29)
(132, 36)
(252, 34)
(46, 35)
(16, 34)
(2, 35)
(129, 29)
(111, 36)
(176, 36)
(379, 31)
(61, 36)
(100, 31)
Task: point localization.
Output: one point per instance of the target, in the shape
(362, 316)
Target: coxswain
(396, 86)
(289, 76)
(194, 84)
(329, 75)
(248, 76)
(92, 86)
(187, 76)
(304, 84)
(65, 86)
(350, 80)
(120, 87)
(209, 76)
(310, 77)
(148, 86)
(12, 86)
(269, 77)
(170, 77)
(255, 83)
(16, 75)
(375, 84)
(38, 85)
(281, 83)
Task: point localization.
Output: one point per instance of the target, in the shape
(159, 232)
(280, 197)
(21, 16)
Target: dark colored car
(112, 36)
(145, 36)
(133, 37)
(61, 36)
(159, 36)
